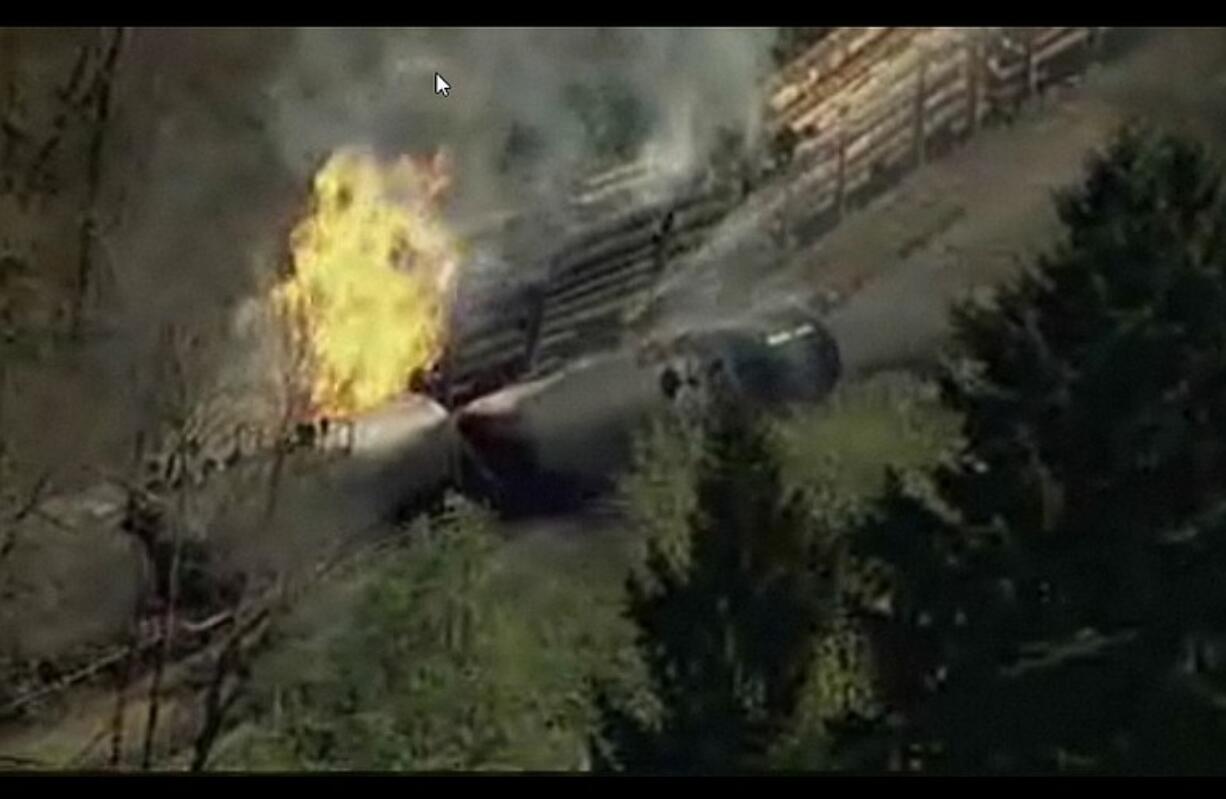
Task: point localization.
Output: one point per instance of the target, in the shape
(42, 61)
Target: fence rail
(877, 100)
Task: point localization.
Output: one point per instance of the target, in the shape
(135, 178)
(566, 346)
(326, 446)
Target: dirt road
(980, 214)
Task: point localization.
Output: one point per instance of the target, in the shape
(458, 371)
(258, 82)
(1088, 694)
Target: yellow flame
(373, 264)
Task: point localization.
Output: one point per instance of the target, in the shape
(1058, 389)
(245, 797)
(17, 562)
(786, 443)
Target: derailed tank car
(555, 443)
(399, 456)
(785, 358)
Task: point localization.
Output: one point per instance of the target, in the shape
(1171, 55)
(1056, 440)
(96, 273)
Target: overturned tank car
(555, 443)
(785, 358)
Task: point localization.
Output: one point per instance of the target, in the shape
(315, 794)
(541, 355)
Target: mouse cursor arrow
(441, 86)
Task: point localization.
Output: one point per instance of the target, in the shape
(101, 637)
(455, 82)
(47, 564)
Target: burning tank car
(557, 442)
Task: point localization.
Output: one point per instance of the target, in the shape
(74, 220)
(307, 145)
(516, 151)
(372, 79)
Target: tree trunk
(103, 84)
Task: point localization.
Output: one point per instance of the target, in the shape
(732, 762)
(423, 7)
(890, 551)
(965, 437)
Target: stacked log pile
(489, 338)
(628, 231)
(595, 278)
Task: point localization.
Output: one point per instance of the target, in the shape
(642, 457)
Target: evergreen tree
(431, 670)
(1051, 608)
(726, 629)
(1100, 403)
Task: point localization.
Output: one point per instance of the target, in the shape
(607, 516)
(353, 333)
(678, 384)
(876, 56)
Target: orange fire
(373, 268)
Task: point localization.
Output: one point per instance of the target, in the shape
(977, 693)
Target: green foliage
(657, 494)
(842, 690)
(726, 631)
(1098, 419)
(1101, 373)
(1042, 623)
(432, 669)
(842, 449)
(839, 453)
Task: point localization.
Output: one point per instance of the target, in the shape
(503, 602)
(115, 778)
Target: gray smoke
(527, 107)
(217, 133)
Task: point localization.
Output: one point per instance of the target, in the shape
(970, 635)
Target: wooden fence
(865, 105)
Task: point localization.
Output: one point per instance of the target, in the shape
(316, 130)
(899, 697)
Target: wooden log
(821, 60)
(842, 168)
(889, 45)
(920, 97)
(880, 81)
(974, 80)
(1032, 70)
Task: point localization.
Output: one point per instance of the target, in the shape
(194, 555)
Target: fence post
(974, 82)
(1032, 68)
(921, 94)
(532, 333)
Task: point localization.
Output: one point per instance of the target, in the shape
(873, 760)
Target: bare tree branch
(180, 412)
(59, 124)
(102, 93)
(9, 541)
(216, 702)
(34, 497)
(123, 678)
